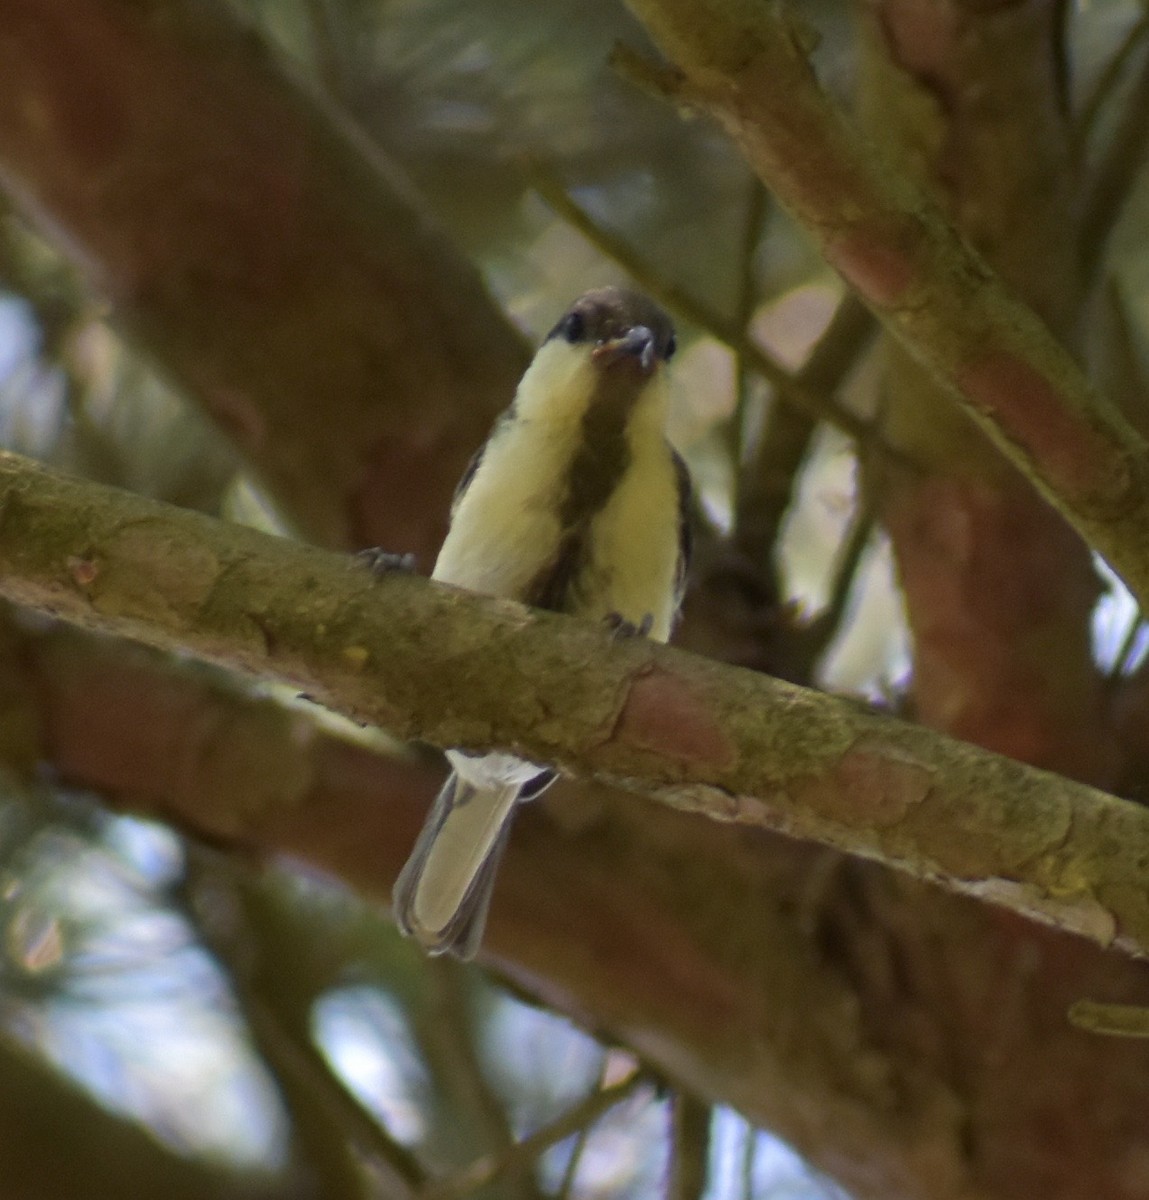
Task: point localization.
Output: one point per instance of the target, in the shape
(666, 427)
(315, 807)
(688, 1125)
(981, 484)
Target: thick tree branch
(687, 939)
(998, 589)
(692, 733)
(254, 246)
(744, 63)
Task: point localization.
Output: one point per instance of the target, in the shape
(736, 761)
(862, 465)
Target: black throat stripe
(596, 469)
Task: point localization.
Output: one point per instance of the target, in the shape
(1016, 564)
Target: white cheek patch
(558, 385)
(505, 528)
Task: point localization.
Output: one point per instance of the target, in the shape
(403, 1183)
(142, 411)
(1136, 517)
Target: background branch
(689, 1148)
(1123, 158)
(745, 65)
(524, 1154)
(262, 253)
(685, 938)
(352, 1155)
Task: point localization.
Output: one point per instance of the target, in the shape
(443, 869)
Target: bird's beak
(637, 343)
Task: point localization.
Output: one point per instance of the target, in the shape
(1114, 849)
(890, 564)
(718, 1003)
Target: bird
(577, 503)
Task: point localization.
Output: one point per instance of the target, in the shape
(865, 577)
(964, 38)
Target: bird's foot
(620, 627)
(382, 562)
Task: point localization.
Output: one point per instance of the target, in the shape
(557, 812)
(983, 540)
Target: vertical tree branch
(689, 1148)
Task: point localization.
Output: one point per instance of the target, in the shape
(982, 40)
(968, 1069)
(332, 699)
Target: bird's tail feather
(442, 894)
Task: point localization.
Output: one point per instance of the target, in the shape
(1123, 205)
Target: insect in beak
(636, 343)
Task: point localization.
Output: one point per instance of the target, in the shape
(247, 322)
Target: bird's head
(605, 356)
(621, 330)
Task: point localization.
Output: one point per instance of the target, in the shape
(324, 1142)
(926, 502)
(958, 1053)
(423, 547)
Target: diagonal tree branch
(250, 241)
(524, 1154)
(746, 65)
(686, 939)
(350, 1150)
(694, 734)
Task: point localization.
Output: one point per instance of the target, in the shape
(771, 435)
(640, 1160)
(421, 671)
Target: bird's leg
(620, 627)
(382, 562)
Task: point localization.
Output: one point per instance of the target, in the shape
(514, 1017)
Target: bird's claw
(382, 562)
(620, 627)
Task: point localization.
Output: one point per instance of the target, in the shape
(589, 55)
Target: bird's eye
(573, 327)
(671, 346)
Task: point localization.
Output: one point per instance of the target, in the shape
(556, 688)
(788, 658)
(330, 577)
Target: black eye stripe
(671, 346)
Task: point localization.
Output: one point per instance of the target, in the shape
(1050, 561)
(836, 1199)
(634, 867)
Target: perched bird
(578, 504)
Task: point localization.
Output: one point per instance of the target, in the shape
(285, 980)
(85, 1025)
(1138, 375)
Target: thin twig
(809, 642)
(769, 481)
(521, 1155)
(690, 1147)
(303, 1061)
(1115, 173)
(1106, 85)
(335, 1126)
(823, 628)
(570, 1172)
(1121, 663)
(447, 1035)
(749, 1160)
(755, 216)
(1112, 1020)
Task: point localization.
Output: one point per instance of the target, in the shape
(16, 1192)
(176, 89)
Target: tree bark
(254, 246)
(746, 65)
(913, 1043)
(735, 960)
(424, 661)
(691, 939)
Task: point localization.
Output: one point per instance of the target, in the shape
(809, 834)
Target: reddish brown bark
(914, 1045)
(747, 65)
(255, 247)
(998, 590)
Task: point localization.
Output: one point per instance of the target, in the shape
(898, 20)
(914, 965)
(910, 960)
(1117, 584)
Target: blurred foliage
(127, 961)
(140, 966)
